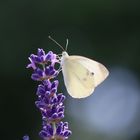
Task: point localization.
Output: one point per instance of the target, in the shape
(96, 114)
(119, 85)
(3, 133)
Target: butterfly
(81, 74)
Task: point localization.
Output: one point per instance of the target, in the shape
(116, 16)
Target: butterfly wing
(82, 75)
(99, 70)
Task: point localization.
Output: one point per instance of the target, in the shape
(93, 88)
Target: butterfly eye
(64, 54)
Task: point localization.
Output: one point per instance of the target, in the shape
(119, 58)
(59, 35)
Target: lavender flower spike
(49, 102)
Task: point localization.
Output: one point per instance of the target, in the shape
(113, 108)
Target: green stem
(54, 130)
(43, 65)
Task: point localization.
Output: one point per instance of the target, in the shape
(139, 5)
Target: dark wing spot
(84, 79)
(89, 73)
(92, 73)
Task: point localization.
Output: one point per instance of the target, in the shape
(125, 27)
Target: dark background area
(106, 30)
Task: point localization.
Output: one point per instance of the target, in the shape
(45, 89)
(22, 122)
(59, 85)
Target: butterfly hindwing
(79, 80)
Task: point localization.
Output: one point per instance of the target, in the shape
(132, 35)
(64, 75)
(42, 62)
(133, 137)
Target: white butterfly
(81, 74)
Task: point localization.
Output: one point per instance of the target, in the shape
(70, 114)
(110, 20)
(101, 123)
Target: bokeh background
(106, 31)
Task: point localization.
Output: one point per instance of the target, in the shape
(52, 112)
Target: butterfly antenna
(56, 42)
(67, 41)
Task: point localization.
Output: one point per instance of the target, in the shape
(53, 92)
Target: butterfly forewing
(99, 70)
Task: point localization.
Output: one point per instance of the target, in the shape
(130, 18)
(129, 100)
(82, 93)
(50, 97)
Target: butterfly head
(64, 54)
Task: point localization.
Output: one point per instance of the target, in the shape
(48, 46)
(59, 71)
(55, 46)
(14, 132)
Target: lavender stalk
(49, 102)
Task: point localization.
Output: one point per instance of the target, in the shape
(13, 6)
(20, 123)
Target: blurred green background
(107, 31)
